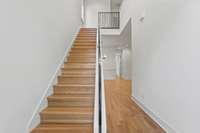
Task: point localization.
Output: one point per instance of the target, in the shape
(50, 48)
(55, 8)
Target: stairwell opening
(118, 52)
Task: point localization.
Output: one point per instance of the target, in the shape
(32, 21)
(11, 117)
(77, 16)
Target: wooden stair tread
(67, 97)
(88, 64)
(76, 76)
(90, 49)
(67, 110)
(88, 35)
(85, 44)
(64, 125)
(86, 38)
(67, 115)
(81, 58)
(79, 65)
(87, 30)
(84, 28)
(81, 61)
(78, 72)
(71, 59)
(63, 128)
(74, 85)
(71, 101)
(82, 52)
(65, 89)
(83, 55)
(85, 47)
(73, 92)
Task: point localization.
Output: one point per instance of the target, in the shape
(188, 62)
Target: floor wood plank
(123, 115)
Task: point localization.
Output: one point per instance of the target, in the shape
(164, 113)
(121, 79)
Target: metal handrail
(100, 124)
(102, 109)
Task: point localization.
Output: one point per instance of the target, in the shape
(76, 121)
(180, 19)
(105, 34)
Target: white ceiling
(115, 3)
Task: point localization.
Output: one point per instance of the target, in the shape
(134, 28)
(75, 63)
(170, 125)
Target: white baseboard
(35, 119)
(155, 117)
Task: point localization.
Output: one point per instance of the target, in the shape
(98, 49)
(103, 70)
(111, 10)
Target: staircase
(71, 107)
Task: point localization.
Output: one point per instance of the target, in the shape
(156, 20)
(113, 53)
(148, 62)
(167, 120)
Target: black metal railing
(109, 20)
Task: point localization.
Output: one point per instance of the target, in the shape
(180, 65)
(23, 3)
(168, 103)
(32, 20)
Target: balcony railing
(109, 20)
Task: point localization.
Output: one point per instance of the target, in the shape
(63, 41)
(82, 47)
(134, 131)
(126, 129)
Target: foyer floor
(123, 115)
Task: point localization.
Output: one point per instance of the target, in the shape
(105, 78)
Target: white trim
(154, 116)
(96, 102)
(103, 101)
(104, 120)
(35, 118)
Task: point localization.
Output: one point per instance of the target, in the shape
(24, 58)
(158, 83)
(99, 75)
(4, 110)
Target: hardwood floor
(123, 115)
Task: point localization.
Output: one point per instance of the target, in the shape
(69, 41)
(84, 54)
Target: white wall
(109, 63)
(110, 44)
(126, 64)
(33, 38)
(166, 59)
(92, 9)
(115, 5)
